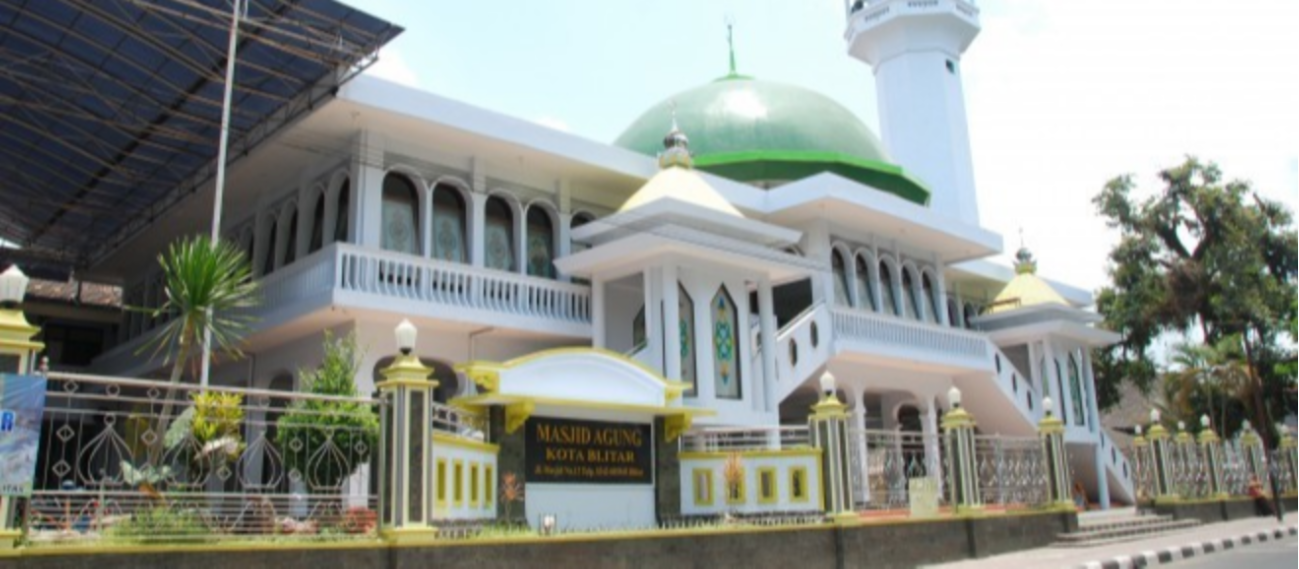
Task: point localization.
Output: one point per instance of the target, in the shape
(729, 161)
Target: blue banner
(22, 402)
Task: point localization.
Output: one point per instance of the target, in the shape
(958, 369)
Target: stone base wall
(1210, 511)
(884, 545)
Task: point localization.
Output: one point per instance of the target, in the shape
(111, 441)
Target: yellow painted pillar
(1051, 430)
(406, 496)
(829, 429)
(1160, 460)
(962, 472)
(1211, 450)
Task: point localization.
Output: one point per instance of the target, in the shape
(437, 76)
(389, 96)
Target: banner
(587, 452)
(22, 402)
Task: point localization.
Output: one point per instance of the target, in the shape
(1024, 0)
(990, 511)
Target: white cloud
(552, 122)
(393, 67)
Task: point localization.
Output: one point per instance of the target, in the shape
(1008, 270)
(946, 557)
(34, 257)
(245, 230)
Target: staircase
(1118, 525)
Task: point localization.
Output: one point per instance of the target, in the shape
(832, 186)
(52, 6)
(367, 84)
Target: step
(1122, 523)
(1124, 512)
(1115, 533)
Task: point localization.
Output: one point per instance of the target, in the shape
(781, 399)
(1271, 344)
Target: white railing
(405, 277)
(459, 422)
(1116, 461)
(802, 347)
(864, 326)
(746, 439)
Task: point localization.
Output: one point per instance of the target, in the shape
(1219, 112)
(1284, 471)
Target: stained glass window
(541, 244)
(865, 292)
(886, 290)
(726, 350)
(448, 224)
(686, 323)
(840, 279)
(344, 213)
(1075, 389)
(499, 235)
(400, 222)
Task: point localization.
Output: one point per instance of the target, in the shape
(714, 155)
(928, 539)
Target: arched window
(400, 215)
(886, 290)
(1075, 389)
(931, 297)
(317, 225)
(498, 234)
(344, 205)
(726, 350)
(840, 279)
(686, 323)
(865, 292)
(909, 304)
(268, 262)
(448, 224)
(291, 241)
(541, 244)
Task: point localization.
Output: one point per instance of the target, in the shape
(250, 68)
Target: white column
(767, 333)
(930, 426)
(477, 222)
(367, 190)
(859, 423)
(1063, 398)
(671, 315)
(940, 293)
(1094, 420)
(653, 335)
(598, 310)
(328, 225)
(564, 240)
(521, 240)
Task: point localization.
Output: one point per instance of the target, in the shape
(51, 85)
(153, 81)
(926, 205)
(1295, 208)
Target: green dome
(760, 131)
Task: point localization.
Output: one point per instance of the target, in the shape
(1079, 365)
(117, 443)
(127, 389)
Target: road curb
(1148, 558)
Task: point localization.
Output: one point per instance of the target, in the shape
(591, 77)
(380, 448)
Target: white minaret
(915, 47)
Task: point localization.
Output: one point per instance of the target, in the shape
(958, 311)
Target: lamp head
(1181, 425)
(954, 397)
(1136, 430)
(827, 384)
(1048, 406)
(13, 285)
(1245, 425)
(1204, 421)
(406, 333)
(1154, 416)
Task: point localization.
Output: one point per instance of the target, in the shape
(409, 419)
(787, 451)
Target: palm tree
(1207, 369)
(209, 288)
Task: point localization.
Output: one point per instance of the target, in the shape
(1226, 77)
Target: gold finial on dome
(676, 146)
(1024, 261)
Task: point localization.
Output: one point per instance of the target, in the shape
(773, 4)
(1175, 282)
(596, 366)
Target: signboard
(923, 493)
(587, 452)
(22, 401)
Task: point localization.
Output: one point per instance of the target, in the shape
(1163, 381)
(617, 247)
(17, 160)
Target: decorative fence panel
(887, 461)
(1012, 471)
(140, 460)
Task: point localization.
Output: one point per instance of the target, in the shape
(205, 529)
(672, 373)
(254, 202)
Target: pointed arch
(317, 239)
(888, 293)
(1076, 390)
(449, 222)
(726, 347)
(865, 283)
(839, 268)
(291, 238)
(910, 304)
(930, 294)
(344, 213)
(400, 214)
(686, 323)
(268, 252)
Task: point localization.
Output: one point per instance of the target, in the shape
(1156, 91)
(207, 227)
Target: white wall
(753, 462)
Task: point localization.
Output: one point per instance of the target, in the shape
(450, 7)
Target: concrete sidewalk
(1112, 555)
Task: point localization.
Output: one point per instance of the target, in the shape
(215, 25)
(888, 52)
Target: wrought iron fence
(1188, 469)
(1012, 471)
(887, 461)
(139, 460)
(1190, 474)
(1285, 481)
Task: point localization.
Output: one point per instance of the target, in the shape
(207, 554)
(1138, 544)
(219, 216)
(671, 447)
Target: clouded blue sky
(1061, 95)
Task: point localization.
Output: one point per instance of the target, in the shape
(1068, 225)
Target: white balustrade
(860, 325)
(401, 276)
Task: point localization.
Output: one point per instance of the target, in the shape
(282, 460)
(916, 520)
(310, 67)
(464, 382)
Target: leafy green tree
(1202, 253)
(325, 440)
(1203, 375)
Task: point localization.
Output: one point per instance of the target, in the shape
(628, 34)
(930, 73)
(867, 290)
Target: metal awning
(110, 110)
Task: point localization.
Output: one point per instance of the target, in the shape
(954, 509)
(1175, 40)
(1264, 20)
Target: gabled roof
(110, 111)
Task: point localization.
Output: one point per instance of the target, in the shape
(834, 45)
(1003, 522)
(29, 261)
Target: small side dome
(1026, 289)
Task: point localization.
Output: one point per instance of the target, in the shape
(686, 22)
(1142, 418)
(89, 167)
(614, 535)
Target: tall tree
(1201, 254)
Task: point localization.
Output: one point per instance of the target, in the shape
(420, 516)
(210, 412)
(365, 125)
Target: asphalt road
(1283, 554)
